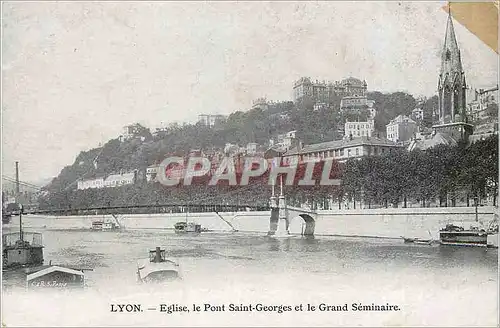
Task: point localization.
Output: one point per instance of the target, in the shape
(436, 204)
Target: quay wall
(385, 223)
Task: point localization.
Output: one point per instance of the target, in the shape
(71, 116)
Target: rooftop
(337, 144)
(434, 140)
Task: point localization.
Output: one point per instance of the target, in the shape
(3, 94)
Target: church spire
(451, 61)
(451, 83)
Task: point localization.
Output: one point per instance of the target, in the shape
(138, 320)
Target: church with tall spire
(452, 89)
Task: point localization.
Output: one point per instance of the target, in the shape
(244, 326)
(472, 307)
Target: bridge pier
(283, 222)
(274, 219)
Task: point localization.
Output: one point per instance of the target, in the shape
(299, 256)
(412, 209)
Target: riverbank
(381, 223)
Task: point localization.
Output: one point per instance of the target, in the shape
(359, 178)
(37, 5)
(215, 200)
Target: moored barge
(458, 236)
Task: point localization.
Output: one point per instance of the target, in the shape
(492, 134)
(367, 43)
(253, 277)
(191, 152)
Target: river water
(432, 285)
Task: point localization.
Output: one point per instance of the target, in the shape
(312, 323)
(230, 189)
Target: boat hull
(157, 272)
(418, 241)
(464, 238)
(187, 228)
(104, 226)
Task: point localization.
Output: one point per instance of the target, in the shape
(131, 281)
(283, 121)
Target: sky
(75, 73)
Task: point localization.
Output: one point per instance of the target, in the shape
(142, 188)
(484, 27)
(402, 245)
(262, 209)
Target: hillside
(255, 125)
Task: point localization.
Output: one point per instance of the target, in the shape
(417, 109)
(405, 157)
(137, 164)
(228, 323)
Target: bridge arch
(308, 225)
(302, 221)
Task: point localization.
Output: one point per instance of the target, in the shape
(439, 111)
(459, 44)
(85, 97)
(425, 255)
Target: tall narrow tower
(452, 88)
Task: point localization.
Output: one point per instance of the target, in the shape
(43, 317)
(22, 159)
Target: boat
(458, 236)
(22, 249)
(187, 227)
(55, 276)
(106, 225)
(157, 268)
(418, 241)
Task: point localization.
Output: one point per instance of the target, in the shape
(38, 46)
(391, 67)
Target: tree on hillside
(492, 110)
(305, 103)
(390, 105)
(141, 131)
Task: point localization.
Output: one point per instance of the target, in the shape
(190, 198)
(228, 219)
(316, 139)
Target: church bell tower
(452, 88)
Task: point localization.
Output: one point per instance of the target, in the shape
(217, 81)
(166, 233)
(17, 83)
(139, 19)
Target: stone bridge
(282, 215)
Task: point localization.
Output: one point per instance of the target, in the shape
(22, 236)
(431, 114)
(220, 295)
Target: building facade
(152, 173)
(323, 92)
(417, 114)
(211, 120)
(480, 100)
(358, 103)
(129, 132)
(117, 180)
(401, 129)
(251, 148)
(340, 150)
(359, 129)
(90, 184)
(112, 180)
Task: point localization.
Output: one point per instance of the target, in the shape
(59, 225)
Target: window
(357, 151)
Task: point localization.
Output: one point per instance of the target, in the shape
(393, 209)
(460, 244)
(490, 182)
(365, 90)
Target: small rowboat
(418, 241)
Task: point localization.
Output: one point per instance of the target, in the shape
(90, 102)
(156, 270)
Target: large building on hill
(111, 181)
(324, 92)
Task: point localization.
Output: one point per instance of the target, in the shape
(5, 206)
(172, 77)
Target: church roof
(436, 139)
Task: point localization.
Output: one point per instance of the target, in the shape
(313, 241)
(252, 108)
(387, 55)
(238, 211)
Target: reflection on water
(239, 267)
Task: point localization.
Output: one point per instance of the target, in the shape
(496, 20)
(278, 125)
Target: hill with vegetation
(241, 127)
